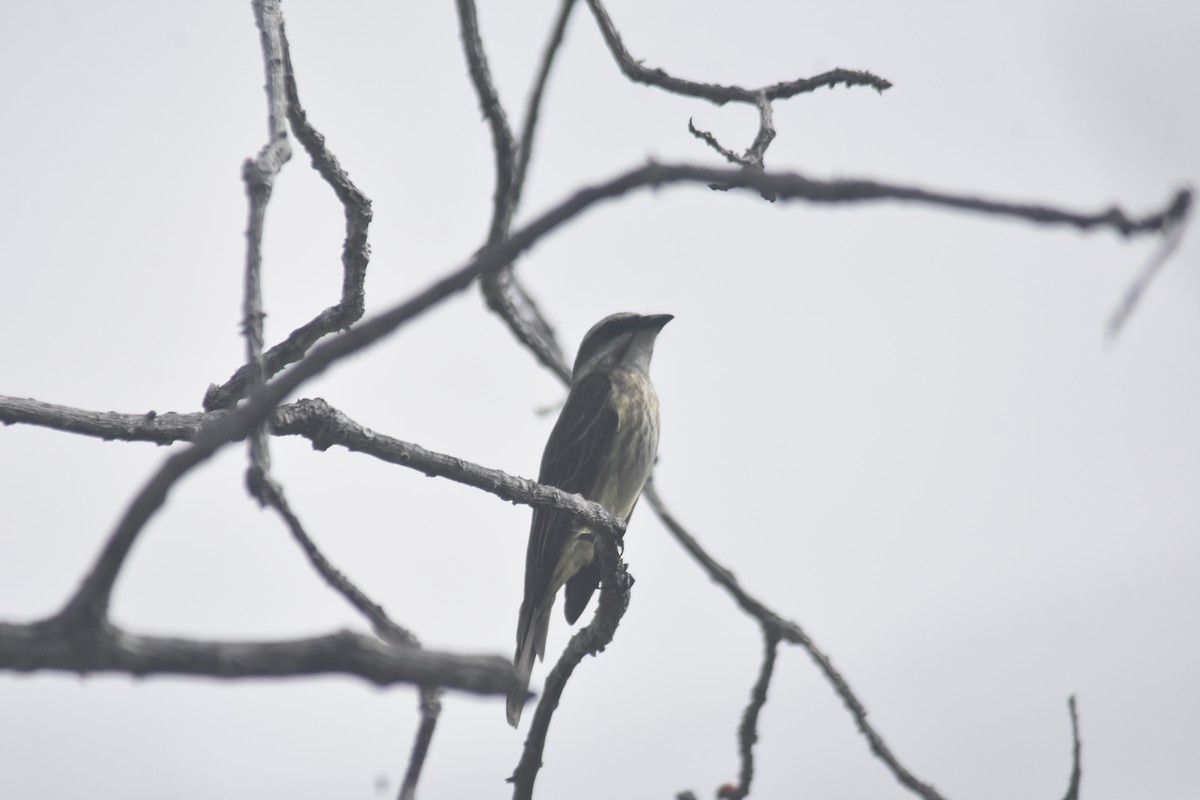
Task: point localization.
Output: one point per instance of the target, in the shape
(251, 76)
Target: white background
(901, 427)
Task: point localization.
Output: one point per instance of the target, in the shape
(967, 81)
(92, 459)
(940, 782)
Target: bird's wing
(581, 439)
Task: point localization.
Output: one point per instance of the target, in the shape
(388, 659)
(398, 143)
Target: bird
(603, 446)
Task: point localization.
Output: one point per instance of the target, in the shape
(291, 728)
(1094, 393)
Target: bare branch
(272, 495)
(503, 294)
(793, 186)
(326, 426)
(766, 132)
(503, 143)
(431, 708)
(155, 428)
(708, 138)
(259, 176)
(93, 595)
(356, 253)
(716, 93)
(529, 126)
(786, 185)
(52, 646)
(385, 628)
(748, 730)
(289, 351)
(1076, 748)
(1133, 295)
(108, 425)
(753, 157)
(792, 632)
(88, 607)
(615, 585)
(527, 321)
(259, 480)
(755, 153)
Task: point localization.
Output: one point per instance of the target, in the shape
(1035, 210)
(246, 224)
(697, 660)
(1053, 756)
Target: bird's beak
(655, 321)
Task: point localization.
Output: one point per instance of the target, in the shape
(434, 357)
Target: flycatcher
(602, 447)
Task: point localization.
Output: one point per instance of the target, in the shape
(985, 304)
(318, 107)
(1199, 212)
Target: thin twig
(748, 730)
(532, 111)
(431, 709)
(1076, 751)
(637, 72)
(708, 138)
(1133, 295)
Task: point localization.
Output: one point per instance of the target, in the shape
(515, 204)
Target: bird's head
(624, 339)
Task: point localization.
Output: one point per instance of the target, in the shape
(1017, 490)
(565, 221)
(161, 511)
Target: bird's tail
(531, 641)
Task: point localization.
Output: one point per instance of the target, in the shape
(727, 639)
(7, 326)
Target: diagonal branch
(789, 631)
(324, 426)
(529, 126)
(709, 139)
(272, 495)
(615, 585)
(500, 288)
(1172, 235)
(269, 491)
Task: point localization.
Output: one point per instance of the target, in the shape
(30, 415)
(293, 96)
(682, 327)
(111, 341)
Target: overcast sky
(902, 428)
